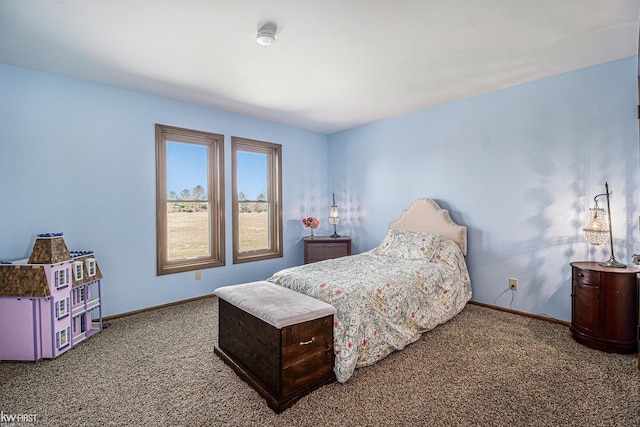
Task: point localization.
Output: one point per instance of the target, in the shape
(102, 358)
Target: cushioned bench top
(274, 304)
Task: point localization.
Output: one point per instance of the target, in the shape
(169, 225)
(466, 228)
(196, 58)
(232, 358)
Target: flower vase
(312, 232)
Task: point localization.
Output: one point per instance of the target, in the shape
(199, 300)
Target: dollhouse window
(78, 272)
(62, 278)
(62, 338)
(62, 308)
(81, 294)
(91, 266)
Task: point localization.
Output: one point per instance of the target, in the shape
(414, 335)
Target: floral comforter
(387, 297)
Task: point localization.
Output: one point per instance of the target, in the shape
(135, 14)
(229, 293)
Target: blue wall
(78, 157)
(519, 167)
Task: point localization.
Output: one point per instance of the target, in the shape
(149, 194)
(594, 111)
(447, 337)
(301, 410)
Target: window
(62, 278)
(91, 266)
(77, 270)
(62, 308)
(257, 200)
(189, 200)
(62, 338)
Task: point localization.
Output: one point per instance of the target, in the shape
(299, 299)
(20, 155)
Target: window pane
(253, 224)
(186, 171)
(188, 230)
(253, 219)
(252, 176)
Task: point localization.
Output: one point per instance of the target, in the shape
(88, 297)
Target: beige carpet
(484, 367)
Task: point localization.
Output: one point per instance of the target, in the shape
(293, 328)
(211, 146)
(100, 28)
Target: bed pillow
(449, 254)
(408, 245)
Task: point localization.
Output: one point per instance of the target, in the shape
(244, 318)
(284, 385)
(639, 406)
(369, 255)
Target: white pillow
(408, 245)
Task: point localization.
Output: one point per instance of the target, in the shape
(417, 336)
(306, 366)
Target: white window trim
(78, 270)
(91, 266)
(62, 338)
(62, 278)
(62, 308)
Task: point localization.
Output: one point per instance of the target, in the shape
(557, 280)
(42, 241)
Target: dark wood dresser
(604, 307)
(321, 248)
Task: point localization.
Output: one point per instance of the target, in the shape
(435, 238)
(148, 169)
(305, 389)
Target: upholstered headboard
(427, 216)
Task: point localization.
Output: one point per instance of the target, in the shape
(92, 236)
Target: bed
(387, 297)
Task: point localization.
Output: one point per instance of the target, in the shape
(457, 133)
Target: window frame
(215, 198)
(62, 278)
(91, 266)
(78, 270)
(274, 198)
(62, 338)
(62, 308)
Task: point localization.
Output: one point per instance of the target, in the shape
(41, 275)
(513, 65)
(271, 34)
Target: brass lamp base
(613, 263)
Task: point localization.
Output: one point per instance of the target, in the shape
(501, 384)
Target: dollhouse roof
(23, 281)
(83, 256)
(28, 278)
(49, 249)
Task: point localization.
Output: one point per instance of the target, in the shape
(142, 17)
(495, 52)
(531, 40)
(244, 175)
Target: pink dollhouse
(50, 302)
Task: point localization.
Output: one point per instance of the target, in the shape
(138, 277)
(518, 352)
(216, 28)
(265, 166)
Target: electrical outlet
(513, 284)
(198, 275)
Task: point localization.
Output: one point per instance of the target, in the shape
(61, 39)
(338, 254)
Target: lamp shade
(596, 229)
(334, 216)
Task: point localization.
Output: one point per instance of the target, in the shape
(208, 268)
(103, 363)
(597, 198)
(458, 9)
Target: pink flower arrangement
(310, 222)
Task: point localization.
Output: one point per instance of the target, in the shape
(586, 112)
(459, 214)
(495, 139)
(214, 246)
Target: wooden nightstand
(324, 247)
(604, 307)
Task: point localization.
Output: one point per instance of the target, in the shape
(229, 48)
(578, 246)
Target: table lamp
(598, 227)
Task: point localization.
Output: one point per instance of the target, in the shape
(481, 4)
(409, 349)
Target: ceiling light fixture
(267, 34)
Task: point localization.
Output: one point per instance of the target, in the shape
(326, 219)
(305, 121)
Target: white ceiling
(336, 64)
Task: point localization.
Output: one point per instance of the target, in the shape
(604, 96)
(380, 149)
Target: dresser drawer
(320, 249)
(587, 277)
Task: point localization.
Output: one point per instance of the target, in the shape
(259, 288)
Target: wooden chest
(282, 364)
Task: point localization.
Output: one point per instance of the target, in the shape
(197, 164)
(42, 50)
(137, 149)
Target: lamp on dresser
(598, 228)
(334, 217)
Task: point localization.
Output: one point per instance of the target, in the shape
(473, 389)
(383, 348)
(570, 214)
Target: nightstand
(604, 307)
(324, 247)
